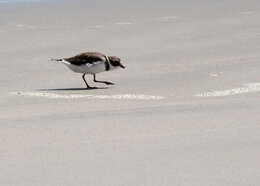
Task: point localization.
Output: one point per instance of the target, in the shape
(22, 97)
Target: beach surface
(184, 112)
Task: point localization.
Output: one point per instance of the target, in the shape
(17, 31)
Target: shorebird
(91, 63)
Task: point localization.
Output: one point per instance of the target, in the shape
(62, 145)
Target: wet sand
(185, 111)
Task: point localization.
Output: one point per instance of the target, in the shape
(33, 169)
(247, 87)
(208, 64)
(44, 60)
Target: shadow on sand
(72, 89)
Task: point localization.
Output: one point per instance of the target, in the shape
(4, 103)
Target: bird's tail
(58, 60)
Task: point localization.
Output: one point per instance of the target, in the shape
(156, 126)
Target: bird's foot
(109, 83)
(91, 88)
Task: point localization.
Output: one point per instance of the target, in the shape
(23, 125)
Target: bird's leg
(106, 82)
(83, 77)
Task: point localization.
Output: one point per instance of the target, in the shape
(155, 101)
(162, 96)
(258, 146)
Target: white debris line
(96, 26)
(213, 75)
(167, 18)
(246, 12)
(89, 96)
(123, 23)
(249, 88)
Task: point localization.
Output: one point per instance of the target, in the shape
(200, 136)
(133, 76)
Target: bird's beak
(122, 66)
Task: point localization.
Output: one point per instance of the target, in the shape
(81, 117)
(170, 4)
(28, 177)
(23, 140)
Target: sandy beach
(184, 112)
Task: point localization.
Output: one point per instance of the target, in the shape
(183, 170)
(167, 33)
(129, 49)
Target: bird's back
(86, 58)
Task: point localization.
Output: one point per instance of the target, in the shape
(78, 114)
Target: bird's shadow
(72, 89)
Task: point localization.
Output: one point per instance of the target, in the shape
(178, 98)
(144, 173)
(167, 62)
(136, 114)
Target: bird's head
(115, 62)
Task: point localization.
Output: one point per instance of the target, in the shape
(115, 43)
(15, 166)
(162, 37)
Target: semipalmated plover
(91, 63)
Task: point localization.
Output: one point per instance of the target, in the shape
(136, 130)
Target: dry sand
(198, 62)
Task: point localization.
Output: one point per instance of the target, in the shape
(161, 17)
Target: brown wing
(87, 57)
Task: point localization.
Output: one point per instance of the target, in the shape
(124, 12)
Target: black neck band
(107, 65)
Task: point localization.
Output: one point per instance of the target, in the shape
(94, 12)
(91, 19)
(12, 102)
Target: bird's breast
(95, 67)
(89, 68)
